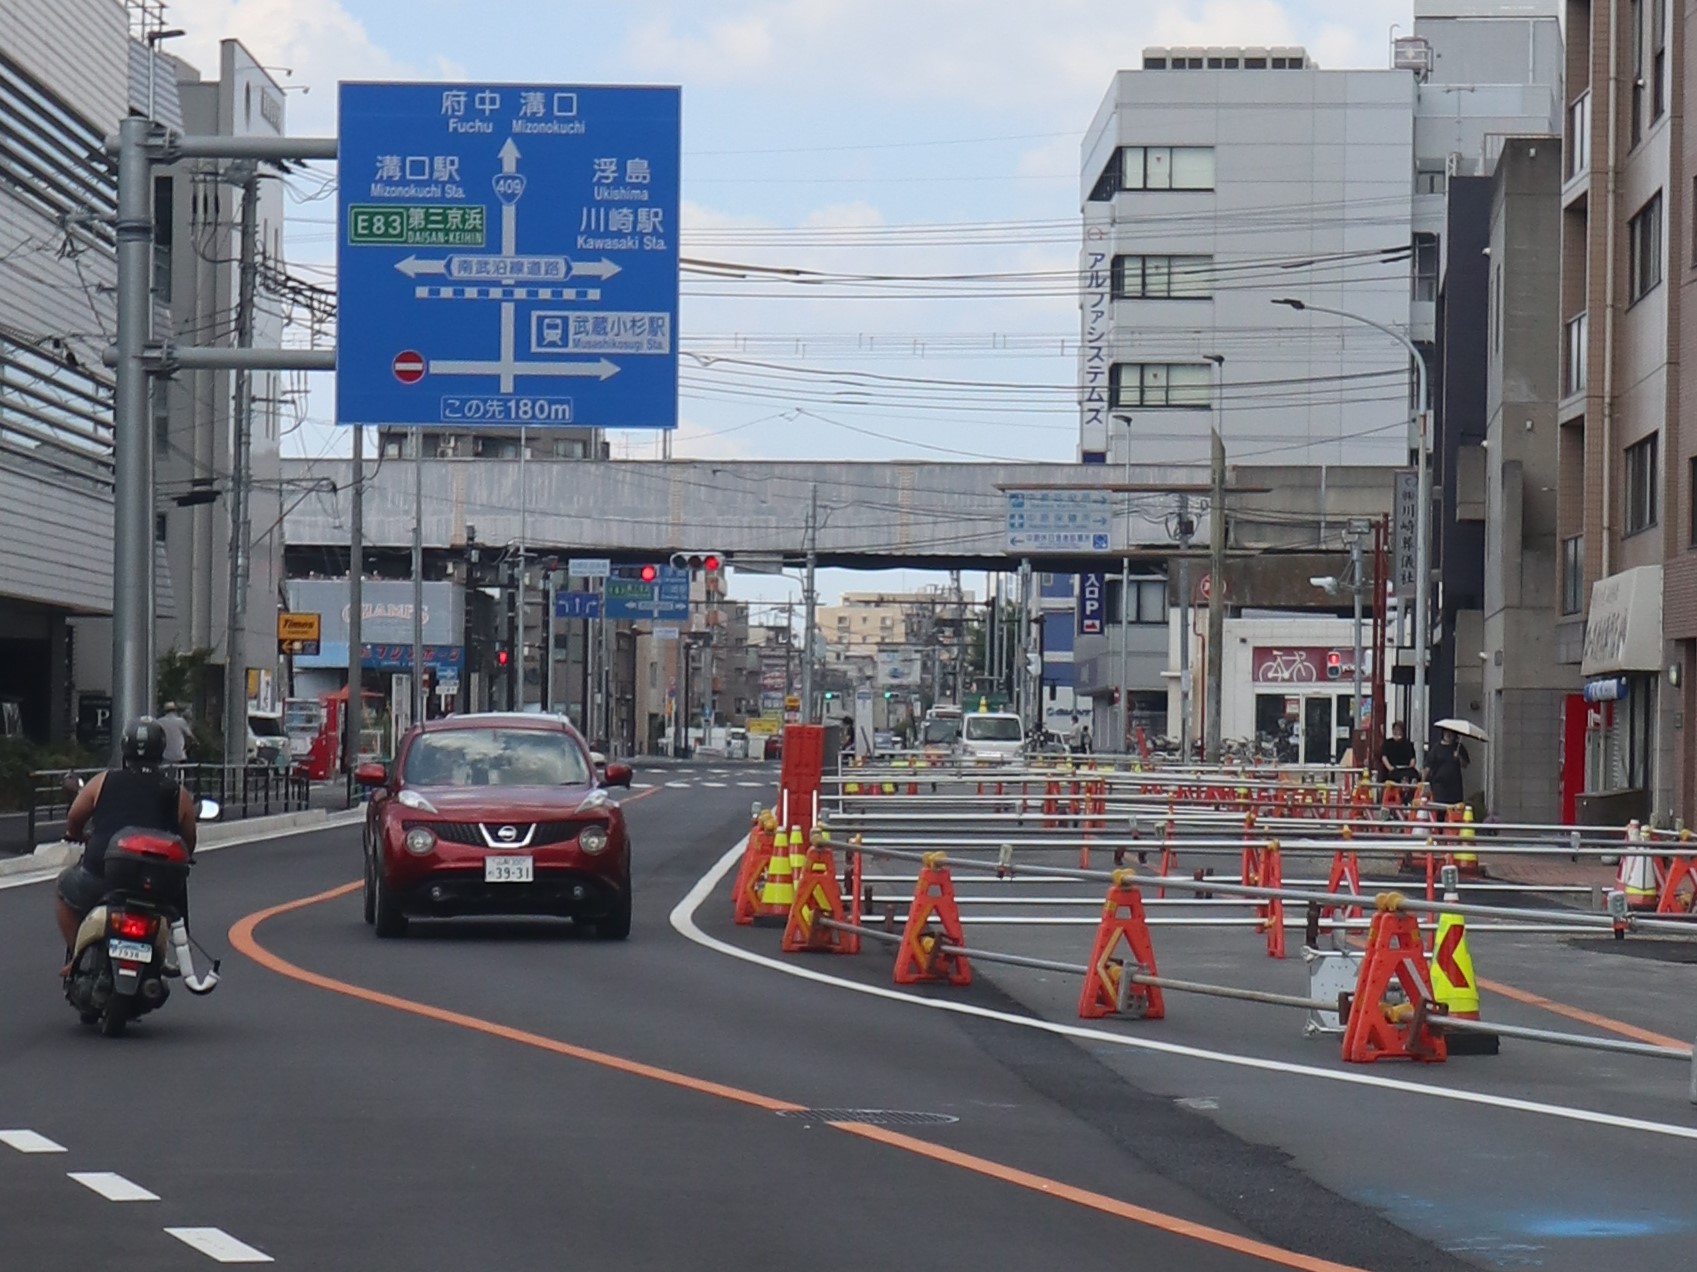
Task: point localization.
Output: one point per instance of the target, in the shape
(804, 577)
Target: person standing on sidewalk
(1444, 775)
(179, 738)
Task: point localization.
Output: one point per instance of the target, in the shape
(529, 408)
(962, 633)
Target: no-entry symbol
(409, 366)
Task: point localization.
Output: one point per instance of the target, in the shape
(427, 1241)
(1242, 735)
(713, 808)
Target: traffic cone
(751, 875)
(1465, 857)
(1454, 986)
(779, 888)
(1637, 876)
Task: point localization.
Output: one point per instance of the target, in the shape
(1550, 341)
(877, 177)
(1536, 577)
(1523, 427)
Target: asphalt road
(512, 1096)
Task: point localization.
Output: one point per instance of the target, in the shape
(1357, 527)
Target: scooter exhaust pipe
(193, 981)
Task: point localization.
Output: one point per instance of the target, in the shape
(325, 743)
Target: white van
(992, 735)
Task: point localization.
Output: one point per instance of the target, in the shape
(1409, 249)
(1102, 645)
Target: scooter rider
(136, 795)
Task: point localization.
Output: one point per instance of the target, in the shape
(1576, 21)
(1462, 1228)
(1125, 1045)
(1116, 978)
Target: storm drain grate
(870, 1117)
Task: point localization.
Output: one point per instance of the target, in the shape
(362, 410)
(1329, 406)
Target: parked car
(495, 814)
(267, 740)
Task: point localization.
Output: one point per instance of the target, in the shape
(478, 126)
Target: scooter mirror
(207, 810)
(71, 784)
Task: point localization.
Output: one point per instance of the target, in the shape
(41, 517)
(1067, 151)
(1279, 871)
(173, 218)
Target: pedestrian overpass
(857, 515)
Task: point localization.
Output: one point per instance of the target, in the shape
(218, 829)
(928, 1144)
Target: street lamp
(1423, 509)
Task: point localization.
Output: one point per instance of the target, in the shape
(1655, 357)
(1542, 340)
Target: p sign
(1092, 604)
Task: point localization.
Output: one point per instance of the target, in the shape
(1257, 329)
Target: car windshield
(992, 729)
(265, 726)
(495, 757)
(941, 732)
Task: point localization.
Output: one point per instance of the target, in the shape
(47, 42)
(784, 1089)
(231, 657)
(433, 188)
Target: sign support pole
(354, 717)
(418, 576)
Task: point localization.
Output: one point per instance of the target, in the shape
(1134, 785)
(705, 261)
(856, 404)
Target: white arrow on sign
(412, 267)
(601, 369)
(602, 268)
(509, 210)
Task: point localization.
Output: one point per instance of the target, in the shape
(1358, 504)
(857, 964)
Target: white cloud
(844, 216)
(318, 40)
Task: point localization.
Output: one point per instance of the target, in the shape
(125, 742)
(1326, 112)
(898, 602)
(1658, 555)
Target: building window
(1431, 176)
(1659, 62)
(1143, 384)
(1644, 250)
(1157, 168)
(1572, 574)
(1254, 63)
(1162, 277)
(1145, 601)
(159, 527)
(1637, 27)
(1579, 135)
(1691, 497)
(1424, 268)
(1641, 484)
(1154, 63)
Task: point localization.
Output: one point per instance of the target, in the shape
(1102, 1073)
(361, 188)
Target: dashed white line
(29, 1142)
(219, 1245)
(755, 785)
(678, 785)
(642, 786)
(113, 1187)
(718, 786)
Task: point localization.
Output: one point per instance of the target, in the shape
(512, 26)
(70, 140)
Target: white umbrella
(1466, 728)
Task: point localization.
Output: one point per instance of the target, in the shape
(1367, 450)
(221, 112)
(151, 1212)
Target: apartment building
(1624, 500)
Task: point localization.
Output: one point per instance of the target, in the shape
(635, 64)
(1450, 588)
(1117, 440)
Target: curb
(48, 859)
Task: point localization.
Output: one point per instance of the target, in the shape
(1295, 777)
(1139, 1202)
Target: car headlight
(420, 841)
(412, 799)
(592, 839)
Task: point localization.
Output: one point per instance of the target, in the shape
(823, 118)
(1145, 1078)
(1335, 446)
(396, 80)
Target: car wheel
(386, 915)
(615, 925)
(369, 891)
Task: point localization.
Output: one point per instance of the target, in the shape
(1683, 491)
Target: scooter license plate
(509, 870)
(129, 951)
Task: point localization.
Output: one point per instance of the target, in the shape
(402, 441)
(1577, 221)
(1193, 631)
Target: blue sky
(815, 131)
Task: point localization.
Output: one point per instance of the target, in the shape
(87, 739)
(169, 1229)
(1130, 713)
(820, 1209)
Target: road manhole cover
(870, 1117)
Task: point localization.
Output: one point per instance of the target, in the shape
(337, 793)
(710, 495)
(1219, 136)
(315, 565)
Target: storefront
(1290, 687)
(1622, 667)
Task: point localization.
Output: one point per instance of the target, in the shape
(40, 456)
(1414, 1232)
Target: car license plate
(129, 951)
(509, 870)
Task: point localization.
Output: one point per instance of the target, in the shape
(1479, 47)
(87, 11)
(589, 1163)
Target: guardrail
(242, 790)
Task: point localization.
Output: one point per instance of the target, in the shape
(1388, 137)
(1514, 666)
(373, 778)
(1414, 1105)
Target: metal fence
(241, 790)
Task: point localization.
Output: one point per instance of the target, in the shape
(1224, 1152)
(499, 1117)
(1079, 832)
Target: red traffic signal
(650, 573)
(501, 657)
(710, 563)
(698, 563)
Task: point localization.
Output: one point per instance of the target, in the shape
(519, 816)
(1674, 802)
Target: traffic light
(501, 656)
(650, 574)
(699, 563)
(829, 695)
(888, 695)
(1334, 665)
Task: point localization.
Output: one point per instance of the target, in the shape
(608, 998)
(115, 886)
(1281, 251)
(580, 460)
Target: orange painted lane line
(1606, 1023)
(1094, 1200)
(243, 937)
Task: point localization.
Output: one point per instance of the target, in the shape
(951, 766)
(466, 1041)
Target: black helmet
(144, 741)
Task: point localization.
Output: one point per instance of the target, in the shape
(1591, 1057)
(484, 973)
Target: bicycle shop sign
(1301, 664)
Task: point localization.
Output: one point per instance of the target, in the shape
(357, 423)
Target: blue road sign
(508, 255)
(577, 605)
(666, 599)
(1092, 604)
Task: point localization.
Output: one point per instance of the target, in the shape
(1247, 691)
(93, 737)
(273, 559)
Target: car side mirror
(207, 810)
(371, 774)
(618, 775)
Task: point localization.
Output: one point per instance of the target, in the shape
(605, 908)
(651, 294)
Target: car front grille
(471, 833)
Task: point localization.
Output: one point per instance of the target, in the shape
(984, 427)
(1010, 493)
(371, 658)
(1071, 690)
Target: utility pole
(417, 576)
(807, 712)
(524, 529)
(1357, 532)
(1214, 706)
(1186, 529)
(355, 713)
(241, 449)
(132, 478)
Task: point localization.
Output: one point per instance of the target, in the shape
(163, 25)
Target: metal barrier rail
(242, 790)
(1620, 921)
(1360, 845)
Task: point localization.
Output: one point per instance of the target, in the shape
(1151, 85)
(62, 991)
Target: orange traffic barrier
(920, 956)
(1122, 946)
(1272, 910)
(1680, 875)
(1375, 1029)
(753, 872)
(1346, 869)
(817, 895)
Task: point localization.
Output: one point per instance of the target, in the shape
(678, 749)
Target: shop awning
(1624, 630)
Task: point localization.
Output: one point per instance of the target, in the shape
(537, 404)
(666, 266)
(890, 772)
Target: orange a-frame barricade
(1122, 946)
(1375, 1029)
(920, 956)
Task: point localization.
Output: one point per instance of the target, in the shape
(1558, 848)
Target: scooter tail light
(134, 927)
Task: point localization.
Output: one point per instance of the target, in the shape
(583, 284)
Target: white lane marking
(29, 1142)
(756, 785)
(718, 786)
(683, 920)
(112, 1186)
(219, 1245)
(643, 786)
(678, 785)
